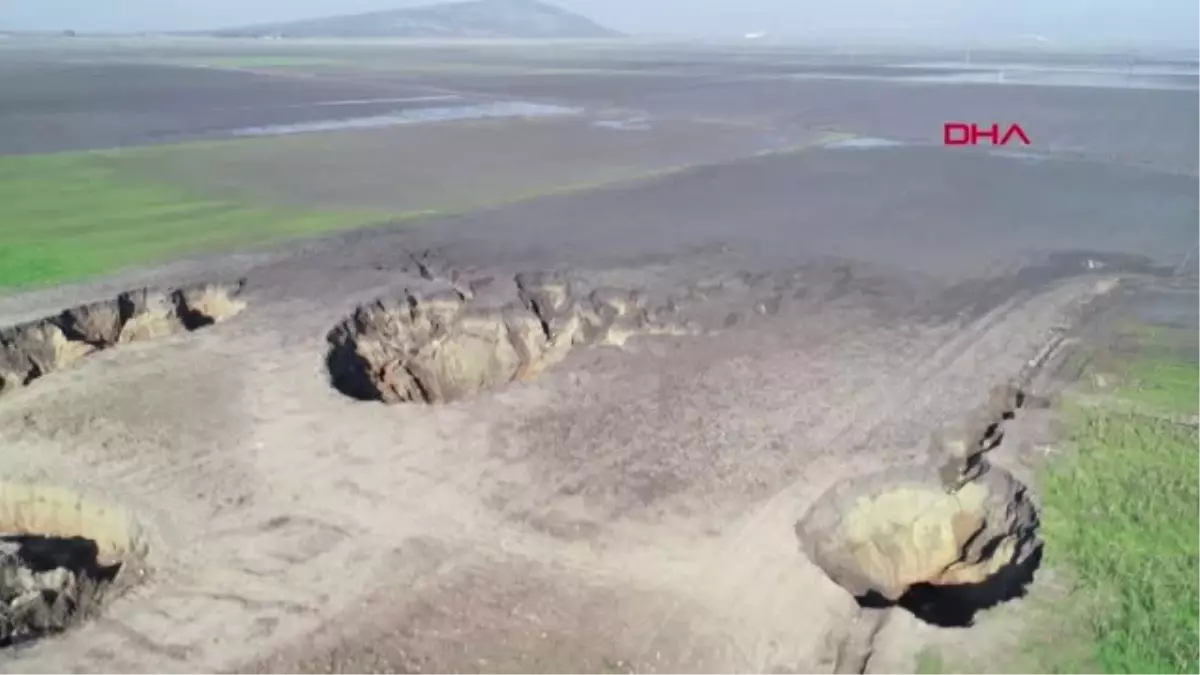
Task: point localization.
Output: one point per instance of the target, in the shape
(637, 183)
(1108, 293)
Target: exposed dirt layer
(445, 344)
(635, 481)
(655, 484)
(952, 521)
(943, 538)
(31, 350)
(60, 557)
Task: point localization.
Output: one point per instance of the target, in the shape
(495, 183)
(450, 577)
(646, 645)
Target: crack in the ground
(454, 332)
(455, 340)
(32, 350)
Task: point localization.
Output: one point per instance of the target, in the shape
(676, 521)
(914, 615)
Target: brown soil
(447, 343)
(631, 508)
(943, 539)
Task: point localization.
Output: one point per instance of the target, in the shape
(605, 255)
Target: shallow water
(864, 143)
(413, 116)
(1029, 156)
(1076, 78)
(354, 102)
(1180, 78)
(1133, 69)
(631, 124)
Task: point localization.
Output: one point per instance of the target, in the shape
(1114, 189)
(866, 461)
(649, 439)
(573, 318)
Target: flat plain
(840, 285)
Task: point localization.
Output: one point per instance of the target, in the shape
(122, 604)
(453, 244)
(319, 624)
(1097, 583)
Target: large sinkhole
(942, 540)
(32, 350)
(442, 344)
(61, 557)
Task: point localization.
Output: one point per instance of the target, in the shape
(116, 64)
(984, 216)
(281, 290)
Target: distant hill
(469, 19)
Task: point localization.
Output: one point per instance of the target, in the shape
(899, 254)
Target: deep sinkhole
(61, 558)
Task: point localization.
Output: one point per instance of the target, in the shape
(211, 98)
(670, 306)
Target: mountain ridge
(460, 19)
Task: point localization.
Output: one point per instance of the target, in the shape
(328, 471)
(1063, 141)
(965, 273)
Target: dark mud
(976, 297)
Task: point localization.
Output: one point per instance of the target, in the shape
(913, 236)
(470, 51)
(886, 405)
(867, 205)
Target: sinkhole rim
(47, 531)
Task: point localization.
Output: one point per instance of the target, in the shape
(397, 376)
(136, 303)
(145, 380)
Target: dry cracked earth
(732, 419)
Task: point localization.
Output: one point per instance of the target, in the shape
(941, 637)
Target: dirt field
(810, 317)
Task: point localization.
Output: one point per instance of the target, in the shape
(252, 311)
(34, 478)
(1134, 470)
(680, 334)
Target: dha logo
(961, 133)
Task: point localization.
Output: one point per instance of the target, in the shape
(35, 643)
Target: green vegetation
(1164, 385)
(1154, 365)
(1122, 511)
(1121, 521)
(69, 216)
(72, 215)
(931, 662)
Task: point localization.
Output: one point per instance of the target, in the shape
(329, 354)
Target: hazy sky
(1174, 22)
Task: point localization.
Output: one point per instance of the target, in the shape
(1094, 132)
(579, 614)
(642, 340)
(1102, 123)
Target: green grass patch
(1155, 367)
(72, 215)
(1122, 519)
(1166, 386)
(931, 662)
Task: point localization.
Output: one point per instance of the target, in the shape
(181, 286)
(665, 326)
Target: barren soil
(628, 506)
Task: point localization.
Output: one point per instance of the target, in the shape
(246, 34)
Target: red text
(961, 133)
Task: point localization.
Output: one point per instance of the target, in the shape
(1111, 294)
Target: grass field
(1122, 511)
(74, 215)
(1122, 518)
(70, 216)
(1158, 380)
(1121, 521)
